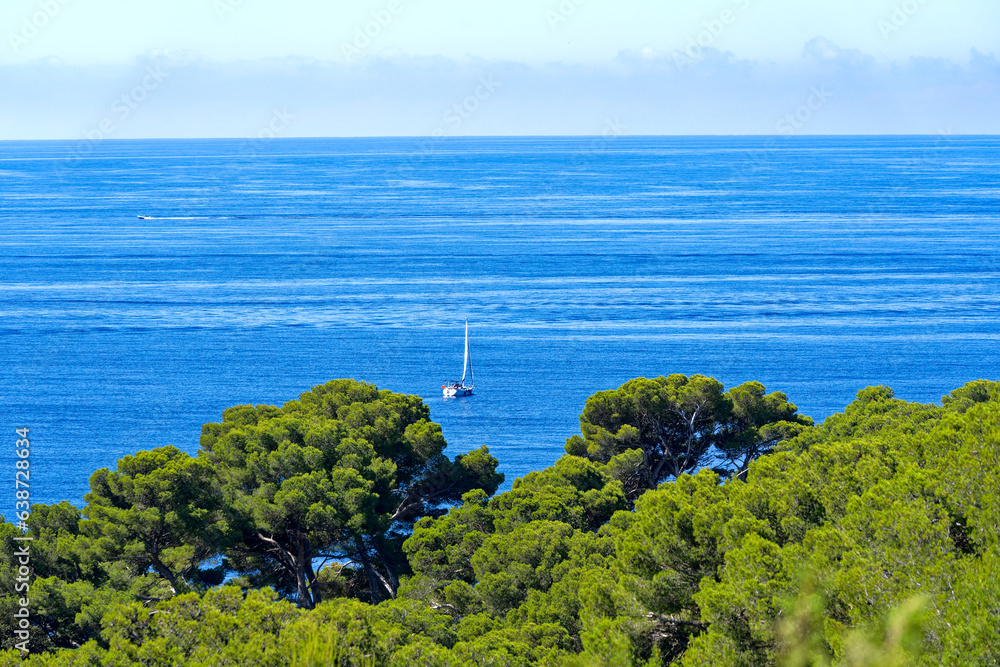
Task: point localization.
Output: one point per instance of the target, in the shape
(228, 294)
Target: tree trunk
(393, 577)
(313, 588)
(164, 572)
(294, 565)
(301, 582)
(374, 585)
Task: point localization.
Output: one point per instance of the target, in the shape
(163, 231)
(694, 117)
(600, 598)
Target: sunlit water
(817, 266)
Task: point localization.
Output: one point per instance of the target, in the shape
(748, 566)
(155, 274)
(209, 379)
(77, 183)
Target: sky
(237, 68)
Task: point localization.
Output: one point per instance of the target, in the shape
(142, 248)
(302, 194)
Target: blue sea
(818, 266)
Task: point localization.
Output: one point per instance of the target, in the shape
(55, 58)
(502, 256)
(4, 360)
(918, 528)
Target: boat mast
(468, 355)
(465, 362)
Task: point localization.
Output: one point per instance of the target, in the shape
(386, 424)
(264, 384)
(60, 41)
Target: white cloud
(650, 91)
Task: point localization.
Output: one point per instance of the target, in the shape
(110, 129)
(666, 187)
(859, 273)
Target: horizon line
(609, 139)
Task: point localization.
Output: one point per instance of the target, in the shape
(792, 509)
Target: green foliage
(977, 391)
(674, 542)
(220, 628)
(884, 504)
(672, 545)
(673, 420)
(607, 645)
(508, 565)
(340, 473)
(897, 642)
(574, 491)
(77, 577)
(875, 410)
(870, 540)
(336, 634)
(160, 510)
(757, 423)
(536, 525)
(440, 550)
(973, 617)
(226, 627)
(651, 430)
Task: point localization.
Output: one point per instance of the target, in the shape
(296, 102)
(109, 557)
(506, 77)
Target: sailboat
(458, 388)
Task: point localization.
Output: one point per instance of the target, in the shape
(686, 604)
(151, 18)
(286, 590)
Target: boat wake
(190, 217)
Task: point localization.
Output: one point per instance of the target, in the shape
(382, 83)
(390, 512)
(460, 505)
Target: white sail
(465, 362)
(468, 355)
(456, 388)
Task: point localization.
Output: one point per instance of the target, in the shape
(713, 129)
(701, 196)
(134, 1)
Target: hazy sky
(227, 67)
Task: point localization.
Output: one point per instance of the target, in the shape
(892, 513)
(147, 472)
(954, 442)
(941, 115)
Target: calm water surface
(818, 266)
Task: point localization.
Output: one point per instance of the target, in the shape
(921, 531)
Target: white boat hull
(457, 392)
